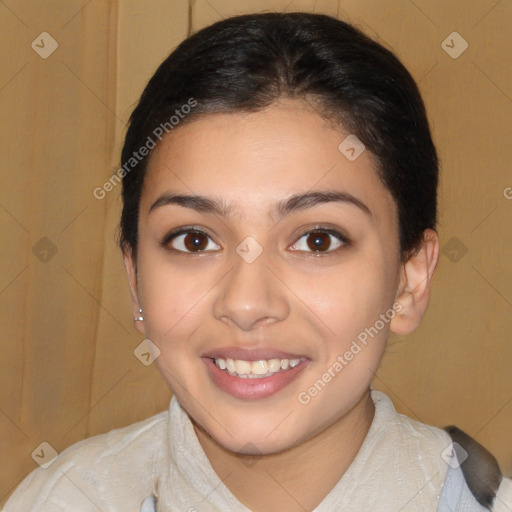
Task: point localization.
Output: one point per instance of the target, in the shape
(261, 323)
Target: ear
(413, 292)
(130, 267)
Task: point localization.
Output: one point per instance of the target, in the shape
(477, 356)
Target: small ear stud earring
(139, 318)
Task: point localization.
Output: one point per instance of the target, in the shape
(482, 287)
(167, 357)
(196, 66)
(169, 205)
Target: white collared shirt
(401, 467)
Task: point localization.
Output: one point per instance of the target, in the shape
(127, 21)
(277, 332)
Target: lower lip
(252, 389)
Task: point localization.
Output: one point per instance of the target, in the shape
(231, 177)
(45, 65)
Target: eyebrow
(282, 208)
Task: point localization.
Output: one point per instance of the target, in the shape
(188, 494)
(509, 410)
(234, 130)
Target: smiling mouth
(259, 369)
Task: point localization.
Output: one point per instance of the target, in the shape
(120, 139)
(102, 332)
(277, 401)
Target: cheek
(175, 308)
(348, 299)
(350, 303)
(174, 297)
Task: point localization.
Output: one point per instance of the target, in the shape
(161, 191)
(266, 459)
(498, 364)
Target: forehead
(253, 160)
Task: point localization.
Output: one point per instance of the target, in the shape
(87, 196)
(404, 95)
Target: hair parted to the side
(245, 63)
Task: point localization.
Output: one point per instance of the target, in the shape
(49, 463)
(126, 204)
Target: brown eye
(191, 241)
(319, 240)
(195, 241)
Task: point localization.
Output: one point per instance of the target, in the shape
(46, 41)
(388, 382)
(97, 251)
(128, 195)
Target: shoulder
(409, 434)
(472, 479)
(481, 472)
(89, 471)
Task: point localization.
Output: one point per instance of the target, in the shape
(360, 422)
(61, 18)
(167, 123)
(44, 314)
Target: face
(286, 256)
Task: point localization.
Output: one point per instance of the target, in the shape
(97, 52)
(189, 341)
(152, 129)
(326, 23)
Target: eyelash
(315, 254)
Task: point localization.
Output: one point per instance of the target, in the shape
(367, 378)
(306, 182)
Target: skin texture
(289, 299)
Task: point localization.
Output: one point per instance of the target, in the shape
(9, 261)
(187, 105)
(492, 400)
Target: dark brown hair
(245, 63)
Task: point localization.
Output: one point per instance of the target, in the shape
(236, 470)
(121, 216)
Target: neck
(299, 478)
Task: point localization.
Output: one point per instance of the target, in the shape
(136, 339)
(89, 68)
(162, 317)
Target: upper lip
(253, 354)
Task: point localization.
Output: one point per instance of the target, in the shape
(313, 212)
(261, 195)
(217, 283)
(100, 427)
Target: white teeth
(274, 365)
(255, 369)
(242, 367)
(230, 365)
(259, 367)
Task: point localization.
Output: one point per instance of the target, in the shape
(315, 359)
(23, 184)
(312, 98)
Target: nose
(251, 295)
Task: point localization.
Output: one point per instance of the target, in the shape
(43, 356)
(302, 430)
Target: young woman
(279, 187)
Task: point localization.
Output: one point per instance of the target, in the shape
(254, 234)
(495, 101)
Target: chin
(260, 447)
(256, 438)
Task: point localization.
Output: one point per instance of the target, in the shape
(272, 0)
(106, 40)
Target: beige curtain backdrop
(71, 71)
